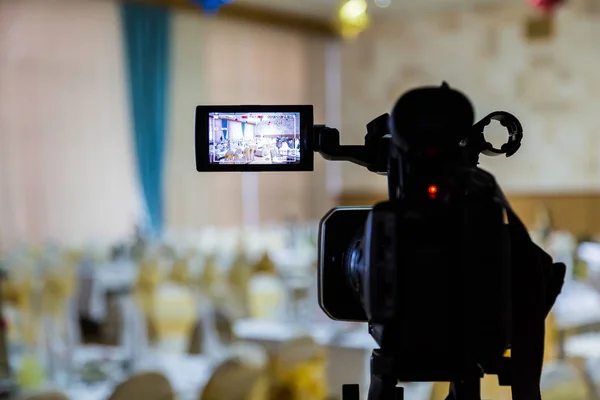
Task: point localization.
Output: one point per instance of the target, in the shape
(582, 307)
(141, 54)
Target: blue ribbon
(211, 6)
(225, 130)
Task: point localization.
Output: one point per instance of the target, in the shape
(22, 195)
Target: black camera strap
(536, 283)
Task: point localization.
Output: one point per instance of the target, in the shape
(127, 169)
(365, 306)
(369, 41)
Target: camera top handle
(507, 120)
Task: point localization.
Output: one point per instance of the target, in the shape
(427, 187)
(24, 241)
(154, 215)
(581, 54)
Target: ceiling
(326, 9)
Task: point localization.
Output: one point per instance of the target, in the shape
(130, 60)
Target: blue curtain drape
(225, 130)
(243, 130)
(146, 35)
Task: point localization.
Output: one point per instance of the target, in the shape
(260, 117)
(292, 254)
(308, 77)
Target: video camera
(443, 272)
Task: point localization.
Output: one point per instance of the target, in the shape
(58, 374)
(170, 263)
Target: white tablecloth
(577, 305)
(188, 374)
(349, 352)
(274, 331)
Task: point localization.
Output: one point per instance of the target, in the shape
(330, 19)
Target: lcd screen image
(254, 138)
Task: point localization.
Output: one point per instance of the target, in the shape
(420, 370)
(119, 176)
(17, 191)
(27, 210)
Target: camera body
(443, 272)
(430, 273)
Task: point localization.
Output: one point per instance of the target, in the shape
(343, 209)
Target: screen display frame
(307, 155)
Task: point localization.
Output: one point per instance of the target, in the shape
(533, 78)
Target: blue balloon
(211, 5)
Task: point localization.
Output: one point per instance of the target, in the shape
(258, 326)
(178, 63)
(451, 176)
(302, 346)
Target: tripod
(384, 381)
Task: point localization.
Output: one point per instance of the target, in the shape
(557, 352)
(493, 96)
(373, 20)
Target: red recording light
(432, 189)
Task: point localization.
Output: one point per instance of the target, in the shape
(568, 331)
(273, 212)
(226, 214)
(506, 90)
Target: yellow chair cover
(235, 380)
(266, 292)
(305, 381)
(147, 282)
(265, 265)
(180, 272)
(149, 277)
(298, 371)
(209, 277)
(239, 277)
(173, 316)
(17, 292)
(73, 256)
(147, 386)
(196, 339)
(240, 273)
(551, 339)
(58, 286)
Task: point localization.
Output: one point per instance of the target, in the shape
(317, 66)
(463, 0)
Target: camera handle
(477, 144)
(374, 154)
(384, 381)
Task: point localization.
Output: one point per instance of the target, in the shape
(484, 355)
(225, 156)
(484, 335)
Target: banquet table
(188, 374)
(349, 352)
(578, 307)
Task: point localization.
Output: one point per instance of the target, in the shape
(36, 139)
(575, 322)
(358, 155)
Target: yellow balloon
(353, 18)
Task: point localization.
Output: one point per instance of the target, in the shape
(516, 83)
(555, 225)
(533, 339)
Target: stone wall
(552, 86)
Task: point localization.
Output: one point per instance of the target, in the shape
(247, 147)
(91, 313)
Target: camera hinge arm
(327, 143)
(373, 154)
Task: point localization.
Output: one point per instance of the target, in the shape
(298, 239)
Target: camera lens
(355, 267)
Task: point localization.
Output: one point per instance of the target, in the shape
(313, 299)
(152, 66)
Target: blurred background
(127, 274)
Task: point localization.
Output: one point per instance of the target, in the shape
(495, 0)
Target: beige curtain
(66, 170)
(66, 160)
(241, 63)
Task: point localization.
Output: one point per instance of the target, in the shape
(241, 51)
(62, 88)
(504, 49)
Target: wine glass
(297, 273)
